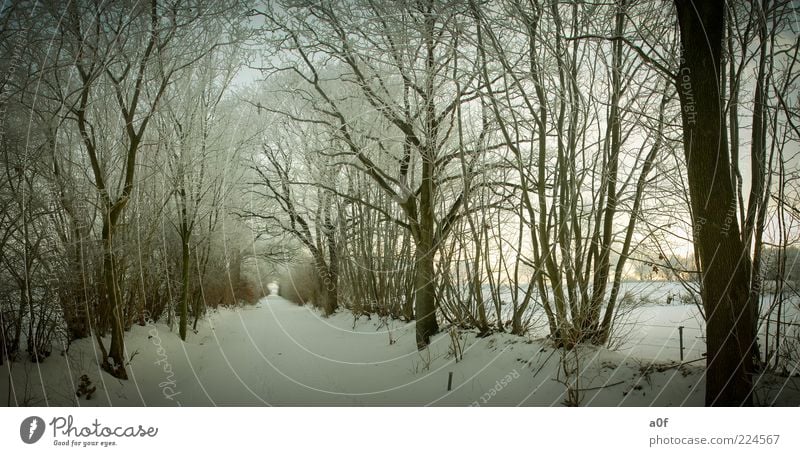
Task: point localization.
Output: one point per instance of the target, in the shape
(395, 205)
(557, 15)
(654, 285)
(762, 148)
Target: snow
(278, 353)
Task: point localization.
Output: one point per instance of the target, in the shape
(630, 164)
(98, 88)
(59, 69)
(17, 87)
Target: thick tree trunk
(328, 296)
(116, 351)
(724, 260)
(425, 299)
(78, 318)
(424, 273)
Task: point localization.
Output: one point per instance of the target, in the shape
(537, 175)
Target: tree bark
(425, 295)
(424, 273)
(328, 286)
(723, 258)
(116, 351)
(185, 296)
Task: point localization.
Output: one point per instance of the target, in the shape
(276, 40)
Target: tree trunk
(425, 299)
(591, 326)
(332, 283)
(116, 351)
(759, 187)
(723, 258)
(185, 260)
(328, 286)
(424, 274)
(410, 281)
(77, 316)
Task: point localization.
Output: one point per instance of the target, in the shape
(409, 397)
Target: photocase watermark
(727, 222)
(685, 83)
(66, 426)
(327, 278)
(31, 429)
(698, 227)
(168, 386)
(67, 433)
(499, 385)
(730, 218)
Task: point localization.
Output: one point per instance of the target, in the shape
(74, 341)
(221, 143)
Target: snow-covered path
(278, 353)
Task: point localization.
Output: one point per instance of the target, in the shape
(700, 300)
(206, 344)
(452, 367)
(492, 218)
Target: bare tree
(725, 261)
(580, 190)
(194, 141)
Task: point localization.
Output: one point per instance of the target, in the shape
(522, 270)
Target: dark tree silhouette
(724, 260)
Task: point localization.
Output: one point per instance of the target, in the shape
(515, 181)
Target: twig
(130, 360)
(602, 386)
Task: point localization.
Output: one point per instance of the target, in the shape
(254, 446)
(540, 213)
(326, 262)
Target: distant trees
(308, 214)
(401, 61)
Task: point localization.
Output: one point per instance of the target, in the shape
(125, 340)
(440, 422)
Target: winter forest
(415, 202)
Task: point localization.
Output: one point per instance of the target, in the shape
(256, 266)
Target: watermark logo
(31, 429)
(498, 386)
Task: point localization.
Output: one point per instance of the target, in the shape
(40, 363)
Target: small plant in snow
(385, 322)
(571, 370)
(85, 388)
(424, 362)
(456, 350)
(687, 298)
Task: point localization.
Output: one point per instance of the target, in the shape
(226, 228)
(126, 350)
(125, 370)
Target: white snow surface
(278, 353)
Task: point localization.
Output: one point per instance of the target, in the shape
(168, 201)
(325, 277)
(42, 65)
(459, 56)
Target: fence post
(680, 336)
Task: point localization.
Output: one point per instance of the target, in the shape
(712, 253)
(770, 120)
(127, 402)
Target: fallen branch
(602, 386)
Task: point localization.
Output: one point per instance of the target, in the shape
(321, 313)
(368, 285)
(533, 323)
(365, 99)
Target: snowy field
(278, 353)
(650, 318)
